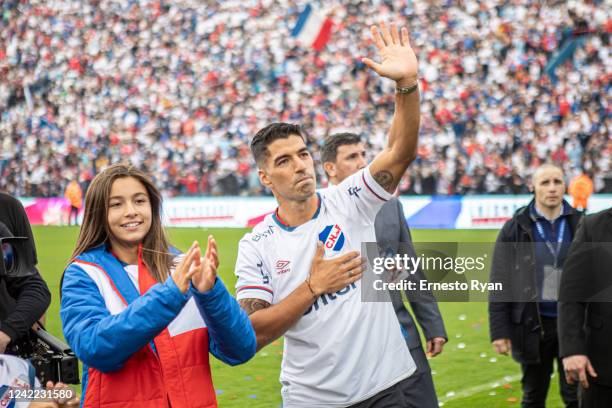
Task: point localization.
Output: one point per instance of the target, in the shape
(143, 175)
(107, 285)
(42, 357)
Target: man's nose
(362, 163)
(300, 165)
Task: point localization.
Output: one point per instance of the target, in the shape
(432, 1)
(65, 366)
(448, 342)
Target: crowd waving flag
(313, 28)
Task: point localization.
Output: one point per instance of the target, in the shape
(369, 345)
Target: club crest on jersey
(332, 237)
(282, 267)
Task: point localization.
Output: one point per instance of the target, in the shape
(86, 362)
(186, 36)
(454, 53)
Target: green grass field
(466, 374)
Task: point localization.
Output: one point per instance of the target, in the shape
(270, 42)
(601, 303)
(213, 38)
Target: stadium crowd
(179, 87)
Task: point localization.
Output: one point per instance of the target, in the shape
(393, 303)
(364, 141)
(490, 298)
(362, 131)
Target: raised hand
(184, 271)
(398, 61)
(205, 269)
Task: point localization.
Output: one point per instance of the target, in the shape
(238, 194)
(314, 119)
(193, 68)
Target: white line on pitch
(468, 392)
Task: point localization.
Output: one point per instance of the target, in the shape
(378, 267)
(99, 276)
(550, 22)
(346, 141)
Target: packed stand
(178, 88)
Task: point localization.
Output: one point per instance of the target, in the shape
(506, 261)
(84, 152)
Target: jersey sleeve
(359, 196)
(253, 279)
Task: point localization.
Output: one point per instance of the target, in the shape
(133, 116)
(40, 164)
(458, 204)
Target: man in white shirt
(342, 155)
(298, 271)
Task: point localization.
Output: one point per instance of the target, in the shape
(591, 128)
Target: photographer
(24, 295)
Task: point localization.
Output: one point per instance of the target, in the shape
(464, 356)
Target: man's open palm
(398, 61)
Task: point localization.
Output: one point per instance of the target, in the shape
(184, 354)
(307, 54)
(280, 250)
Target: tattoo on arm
(250, 306)
(384, 179)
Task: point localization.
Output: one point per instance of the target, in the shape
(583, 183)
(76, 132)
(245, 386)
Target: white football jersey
(18, 374)
(342, 350)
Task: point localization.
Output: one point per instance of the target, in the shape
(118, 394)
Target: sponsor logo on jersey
(282, 267)
(329, 298)
(332, 237)
(263, 234)
(354, 191)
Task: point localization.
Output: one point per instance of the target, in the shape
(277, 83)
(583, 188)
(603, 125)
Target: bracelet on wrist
(406, 90)
(314, 295)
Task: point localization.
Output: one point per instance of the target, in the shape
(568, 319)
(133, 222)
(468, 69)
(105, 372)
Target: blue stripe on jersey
(290, 228)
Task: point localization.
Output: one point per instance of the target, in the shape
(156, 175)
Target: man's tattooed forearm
(250, 306)
(384, 179)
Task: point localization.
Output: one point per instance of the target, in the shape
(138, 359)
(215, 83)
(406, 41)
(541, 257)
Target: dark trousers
(536, 377)
(416, 391)
(596, 396)
(74, 215)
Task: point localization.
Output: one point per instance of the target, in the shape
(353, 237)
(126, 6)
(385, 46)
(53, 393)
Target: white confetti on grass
(461, 346)
(462, 317)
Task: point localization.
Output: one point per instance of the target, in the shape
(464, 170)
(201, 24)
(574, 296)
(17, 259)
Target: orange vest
(581, 189)
(74, 195)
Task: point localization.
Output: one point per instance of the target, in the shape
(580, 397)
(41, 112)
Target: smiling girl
(141, 316)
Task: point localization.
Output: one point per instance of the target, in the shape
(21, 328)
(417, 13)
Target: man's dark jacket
(391, 229)
(585, 307)
(514, 265)
(23, 300)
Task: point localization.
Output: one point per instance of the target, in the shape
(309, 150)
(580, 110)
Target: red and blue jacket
(148, 346)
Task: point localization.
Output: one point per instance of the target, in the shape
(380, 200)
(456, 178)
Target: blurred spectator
(74, 195)
(179, 87)
(581, 188)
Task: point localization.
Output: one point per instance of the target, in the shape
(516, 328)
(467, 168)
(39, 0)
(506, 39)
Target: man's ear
(330, 169)
(263, 178)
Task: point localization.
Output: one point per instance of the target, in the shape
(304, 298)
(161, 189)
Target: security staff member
(23, 297)
(530, 253)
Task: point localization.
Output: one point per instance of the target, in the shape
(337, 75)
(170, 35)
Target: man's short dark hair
(265, 136)
(329, 151)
